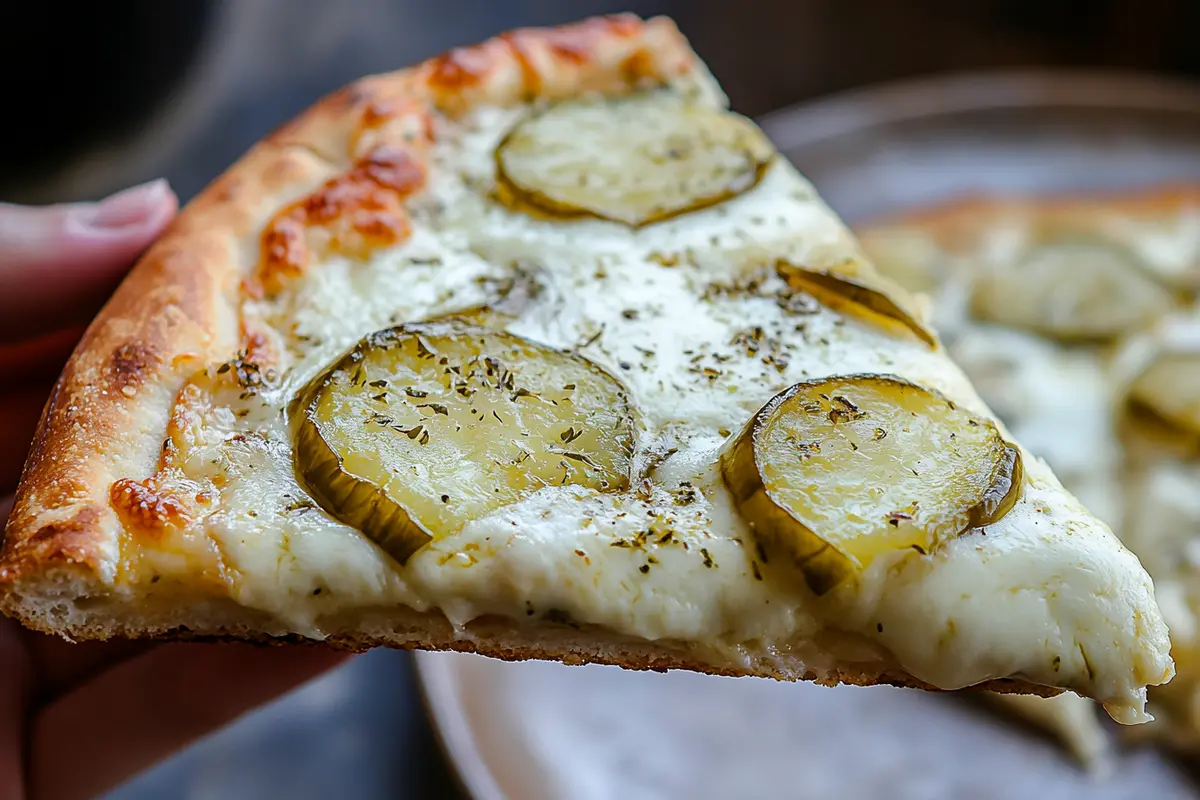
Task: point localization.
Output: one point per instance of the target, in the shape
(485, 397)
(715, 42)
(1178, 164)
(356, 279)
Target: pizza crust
(177, 310)
(960, 223)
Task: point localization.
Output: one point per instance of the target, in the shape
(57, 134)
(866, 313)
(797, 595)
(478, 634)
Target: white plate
(544, 731)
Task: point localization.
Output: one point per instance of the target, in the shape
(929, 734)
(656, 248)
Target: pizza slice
(536, 350)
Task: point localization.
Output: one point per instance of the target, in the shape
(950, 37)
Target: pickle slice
(636, 159)
(420, 429)
(1163, 383)
(838, 471)
(1073, 288)
(1170, 389)
(856, 289)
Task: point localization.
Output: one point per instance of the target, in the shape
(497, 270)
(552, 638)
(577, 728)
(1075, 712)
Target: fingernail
(125, 209)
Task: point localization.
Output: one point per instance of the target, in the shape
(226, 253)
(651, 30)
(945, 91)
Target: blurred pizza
(1077, 320)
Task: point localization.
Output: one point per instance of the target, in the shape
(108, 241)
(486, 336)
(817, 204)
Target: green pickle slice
(637, 159)
(838, 471)
(1072, 288)
(854, 288)
(422, 428)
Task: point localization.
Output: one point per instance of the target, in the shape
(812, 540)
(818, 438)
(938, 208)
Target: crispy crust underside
(494, 637)
(179, 310)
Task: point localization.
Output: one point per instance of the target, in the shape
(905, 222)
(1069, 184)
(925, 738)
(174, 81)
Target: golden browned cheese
(147, 508)
(353, 214)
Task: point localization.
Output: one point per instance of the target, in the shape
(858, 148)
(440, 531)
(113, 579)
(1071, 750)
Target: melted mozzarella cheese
(1047, 593)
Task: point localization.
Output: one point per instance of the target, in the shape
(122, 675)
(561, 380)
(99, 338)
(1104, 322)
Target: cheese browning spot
(638, 67)
(577, 43)
(352, 214)
(146, 506)
(570, 47)
(129, 366)
(460, 68)
(839, 471)
(258, 345)
(552, 62)
(422, 428)
(396, 122)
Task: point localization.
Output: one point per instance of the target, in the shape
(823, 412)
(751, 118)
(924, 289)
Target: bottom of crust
(191, 619)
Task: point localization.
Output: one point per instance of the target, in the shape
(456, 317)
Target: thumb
(59, 263)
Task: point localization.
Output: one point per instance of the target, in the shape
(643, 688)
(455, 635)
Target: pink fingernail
(125, 209)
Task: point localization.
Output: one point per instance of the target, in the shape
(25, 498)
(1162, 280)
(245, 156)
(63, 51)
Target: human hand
(78, 719)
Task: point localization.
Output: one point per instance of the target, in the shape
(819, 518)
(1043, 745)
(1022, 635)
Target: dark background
(96, 96)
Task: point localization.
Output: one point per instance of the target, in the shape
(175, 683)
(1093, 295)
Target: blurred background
(107, 94)
(98, 96)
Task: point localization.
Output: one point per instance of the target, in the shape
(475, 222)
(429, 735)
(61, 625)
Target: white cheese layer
(1047, 593)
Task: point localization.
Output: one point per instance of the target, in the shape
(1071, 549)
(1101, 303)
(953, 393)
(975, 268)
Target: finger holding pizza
(116, 707)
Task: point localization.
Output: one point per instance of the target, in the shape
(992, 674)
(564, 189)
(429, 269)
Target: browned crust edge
(957, 223)
(645, 662)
